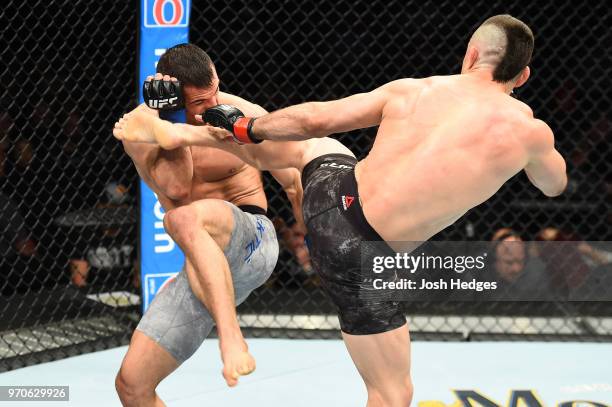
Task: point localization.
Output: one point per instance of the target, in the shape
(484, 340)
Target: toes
(118, 133)
(231, 379)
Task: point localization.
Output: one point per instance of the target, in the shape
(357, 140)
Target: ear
(470, 58)
(523, 77)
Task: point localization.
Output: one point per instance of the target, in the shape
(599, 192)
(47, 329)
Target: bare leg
(142, 125)
(144, 366)
(383, 361)
(202, 229)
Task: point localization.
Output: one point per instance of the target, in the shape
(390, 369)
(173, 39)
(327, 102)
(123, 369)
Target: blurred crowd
(552, 265)
(50, 168)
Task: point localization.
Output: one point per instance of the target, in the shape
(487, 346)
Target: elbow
(557, 189)
(177, 193)
(173, 188)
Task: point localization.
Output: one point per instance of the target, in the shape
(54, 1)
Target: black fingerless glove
(233, 120)
(163, 95)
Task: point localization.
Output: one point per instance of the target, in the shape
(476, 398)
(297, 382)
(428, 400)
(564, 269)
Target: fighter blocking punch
(448, 143)
(216, 212)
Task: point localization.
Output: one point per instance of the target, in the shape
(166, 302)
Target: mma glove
(163, 95)
(232, 120)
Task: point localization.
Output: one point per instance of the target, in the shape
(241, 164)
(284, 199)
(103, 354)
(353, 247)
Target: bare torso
(440, 151)
(217, 174)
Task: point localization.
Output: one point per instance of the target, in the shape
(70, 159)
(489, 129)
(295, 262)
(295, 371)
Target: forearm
(296, 206)
(264, 156)
(294, 123)
(552, 186)
(548, 172)
(290, 181)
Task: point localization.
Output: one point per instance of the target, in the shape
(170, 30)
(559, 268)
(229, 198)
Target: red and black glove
(233, 120)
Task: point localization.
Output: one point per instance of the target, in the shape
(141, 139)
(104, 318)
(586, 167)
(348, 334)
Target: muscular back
(444, 145)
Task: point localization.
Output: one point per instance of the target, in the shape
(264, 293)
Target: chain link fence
(67, 215)
(278, 54)
(69, 278)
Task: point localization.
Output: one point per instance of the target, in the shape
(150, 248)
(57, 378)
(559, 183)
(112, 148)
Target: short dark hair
(519, 47)
(189, 64)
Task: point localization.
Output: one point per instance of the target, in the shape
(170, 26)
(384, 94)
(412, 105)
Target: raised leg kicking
(444, 145)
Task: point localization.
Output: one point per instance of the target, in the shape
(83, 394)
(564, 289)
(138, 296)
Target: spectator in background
(23, 172)
(17, 251)
(577, 270)
(518, 277)
(106, 262)
(28, 183)
(82, 166)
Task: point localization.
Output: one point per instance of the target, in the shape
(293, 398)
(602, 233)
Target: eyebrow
(200, 99)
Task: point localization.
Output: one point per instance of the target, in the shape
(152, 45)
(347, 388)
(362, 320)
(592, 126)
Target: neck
(485, 76)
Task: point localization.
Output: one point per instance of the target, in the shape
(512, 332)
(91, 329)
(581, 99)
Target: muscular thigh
(252, 251)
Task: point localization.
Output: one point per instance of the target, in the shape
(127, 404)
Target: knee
(129, 389)
(180, 222)
(213, 217)
(397, 395)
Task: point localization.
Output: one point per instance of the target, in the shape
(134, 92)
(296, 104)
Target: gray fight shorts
(178, 321)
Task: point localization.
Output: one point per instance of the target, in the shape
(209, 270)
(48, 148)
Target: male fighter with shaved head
(444, 145)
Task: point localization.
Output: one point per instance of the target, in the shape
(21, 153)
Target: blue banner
(163, 23)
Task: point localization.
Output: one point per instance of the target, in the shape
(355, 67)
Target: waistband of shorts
(316, 163)
(350, 206)
(252, 209)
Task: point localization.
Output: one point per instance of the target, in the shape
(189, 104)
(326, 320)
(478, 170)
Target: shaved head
(506, 44)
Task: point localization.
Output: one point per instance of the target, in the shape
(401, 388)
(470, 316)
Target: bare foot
(237, 361)
(140, 126)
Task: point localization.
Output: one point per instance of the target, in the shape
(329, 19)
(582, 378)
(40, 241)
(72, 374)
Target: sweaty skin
(182, 175)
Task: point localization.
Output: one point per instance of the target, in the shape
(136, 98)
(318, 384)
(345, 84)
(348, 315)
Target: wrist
(243, 131)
